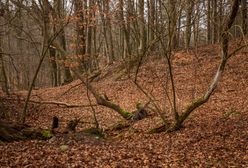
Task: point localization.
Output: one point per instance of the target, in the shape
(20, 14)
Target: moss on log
(10, 131)
(119, 126)
(94, 132)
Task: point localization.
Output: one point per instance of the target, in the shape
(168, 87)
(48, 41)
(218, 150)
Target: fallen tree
(101, 99)
(11, 131)
(58, 103)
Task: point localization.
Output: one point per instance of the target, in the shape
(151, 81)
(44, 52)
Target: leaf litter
(215, 135)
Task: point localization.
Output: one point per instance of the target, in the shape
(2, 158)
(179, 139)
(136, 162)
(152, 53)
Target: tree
(59, 16)
(104, 9)
(225, 55)
(142, 29)
(4, 78)
(244, 16)
(80, 30)
(151, 19)
(189, 12)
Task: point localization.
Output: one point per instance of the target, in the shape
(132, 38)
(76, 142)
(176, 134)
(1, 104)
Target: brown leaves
(214, 136)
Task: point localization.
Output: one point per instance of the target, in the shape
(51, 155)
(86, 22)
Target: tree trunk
(189, 12)
(220, 19)
(3, 79)
(89, 58)
(46, 33)
(109, 30)
(81, 31)
(209, 27)
(172, 24)
(244, 16)
(215, 21)
(59, 8)
(151, 20)
(142, 28)
(52, 53)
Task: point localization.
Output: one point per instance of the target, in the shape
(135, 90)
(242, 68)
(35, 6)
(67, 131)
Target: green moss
(119, 126)
(46, 134)
(194, 103)
(197, 100)
(126, 114)
(98, 133)
(122, 112)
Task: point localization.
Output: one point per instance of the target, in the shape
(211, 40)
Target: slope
(215, 135)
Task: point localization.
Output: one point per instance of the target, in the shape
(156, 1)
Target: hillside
(216, 135)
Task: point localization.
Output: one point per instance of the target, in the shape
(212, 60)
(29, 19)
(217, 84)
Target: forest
(123, 83)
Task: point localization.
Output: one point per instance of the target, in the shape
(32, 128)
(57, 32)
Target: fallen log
(63, 104)
(67, 105)
(11, 131)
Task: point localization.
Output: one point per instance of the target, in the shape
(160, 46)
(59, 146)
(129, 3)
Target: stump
(140, 113)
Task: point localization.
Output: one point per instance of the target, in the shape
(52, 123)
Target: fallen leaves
(214, 136)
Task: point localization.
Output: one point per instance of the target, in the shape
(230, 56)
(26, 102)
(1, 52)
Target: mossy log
(138, 114)
(104, 102)
(10, 131)
(119, 126)
(94, 132)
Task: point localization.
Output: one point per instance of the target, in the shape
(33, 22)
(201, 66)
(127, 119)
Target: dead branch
(67, 105)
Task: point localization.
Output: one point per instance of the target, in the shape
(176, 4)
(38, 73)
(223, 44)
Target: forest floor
(215, 135)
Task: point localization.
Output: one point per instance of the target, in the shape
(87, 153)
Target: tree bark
(142, 29)
(209, 27)
(244, 16)
(80, 11)
(4, 78)
(215, 21)
(59, 8)
(189, 13)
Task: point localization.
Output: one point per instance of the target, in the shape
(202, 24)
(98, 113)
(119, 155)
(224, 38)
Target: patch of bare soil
(216, 135)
